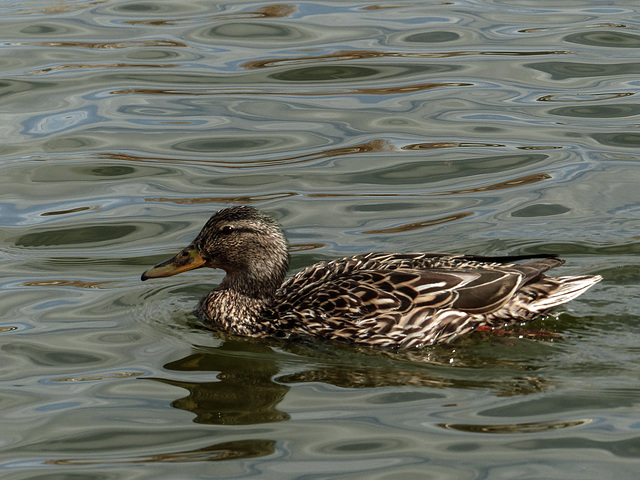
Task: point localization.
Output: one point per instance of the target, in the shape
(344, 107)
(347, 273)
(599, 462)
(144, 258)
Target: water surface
(484, 127)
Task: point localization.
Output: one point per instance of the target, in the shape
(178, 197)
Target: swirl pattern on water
(487, 127)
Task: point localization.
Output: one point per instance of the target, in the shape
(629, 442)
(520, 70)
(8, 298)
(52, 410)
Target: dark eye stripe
(229, 229)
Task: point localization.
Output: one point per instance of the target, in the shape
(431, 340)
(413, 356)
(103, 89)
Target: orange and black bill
(188, 259)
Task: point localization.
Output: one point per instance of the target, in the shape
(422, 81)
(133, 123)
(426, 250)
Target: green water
(490, 127)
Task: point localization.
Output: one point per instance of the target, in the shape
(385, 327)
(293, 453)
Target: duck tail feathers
(560, 290)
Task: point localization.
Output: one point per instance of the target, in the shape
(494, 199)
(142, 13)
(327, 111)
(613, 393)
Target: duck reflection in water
(244, 392)
(249, 383)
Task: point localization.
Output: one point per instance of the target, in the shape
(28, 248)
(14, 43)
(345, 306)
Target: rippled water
(486, 127)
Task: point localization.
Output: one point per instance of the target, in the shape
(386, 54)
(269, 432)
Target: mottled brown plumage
(385, 299)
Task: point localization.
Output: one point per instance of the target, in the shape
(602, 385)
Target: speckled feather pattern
(413, 300)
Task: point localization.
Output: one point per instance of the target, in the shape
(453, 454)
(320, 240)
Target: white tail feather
(568, 288)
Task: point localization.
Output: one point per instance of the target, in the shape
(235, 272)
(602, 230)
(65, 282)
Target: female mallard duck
(386, 299)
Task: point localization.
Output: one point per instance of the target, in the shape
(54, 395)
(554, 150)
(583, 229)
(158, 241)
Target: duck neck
(235, 312)
(238, 303)
(252, 284)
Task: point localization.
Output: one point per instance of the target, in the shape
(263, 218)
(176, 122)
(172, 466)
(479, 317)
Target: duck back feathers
(413, 300)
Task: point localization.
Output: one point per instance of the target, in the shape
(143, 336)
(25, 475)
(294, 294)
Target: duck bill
(187, 259)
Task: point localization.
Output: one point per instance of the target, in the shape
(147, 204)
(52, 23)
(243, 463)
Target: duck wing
(400, 300)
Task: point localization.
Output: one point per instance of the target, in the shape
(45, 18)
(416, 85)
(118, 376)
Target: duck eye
(227, 229)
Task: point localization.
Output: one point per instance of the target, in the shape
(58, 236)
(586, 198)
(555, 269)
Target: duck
(388, 300)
